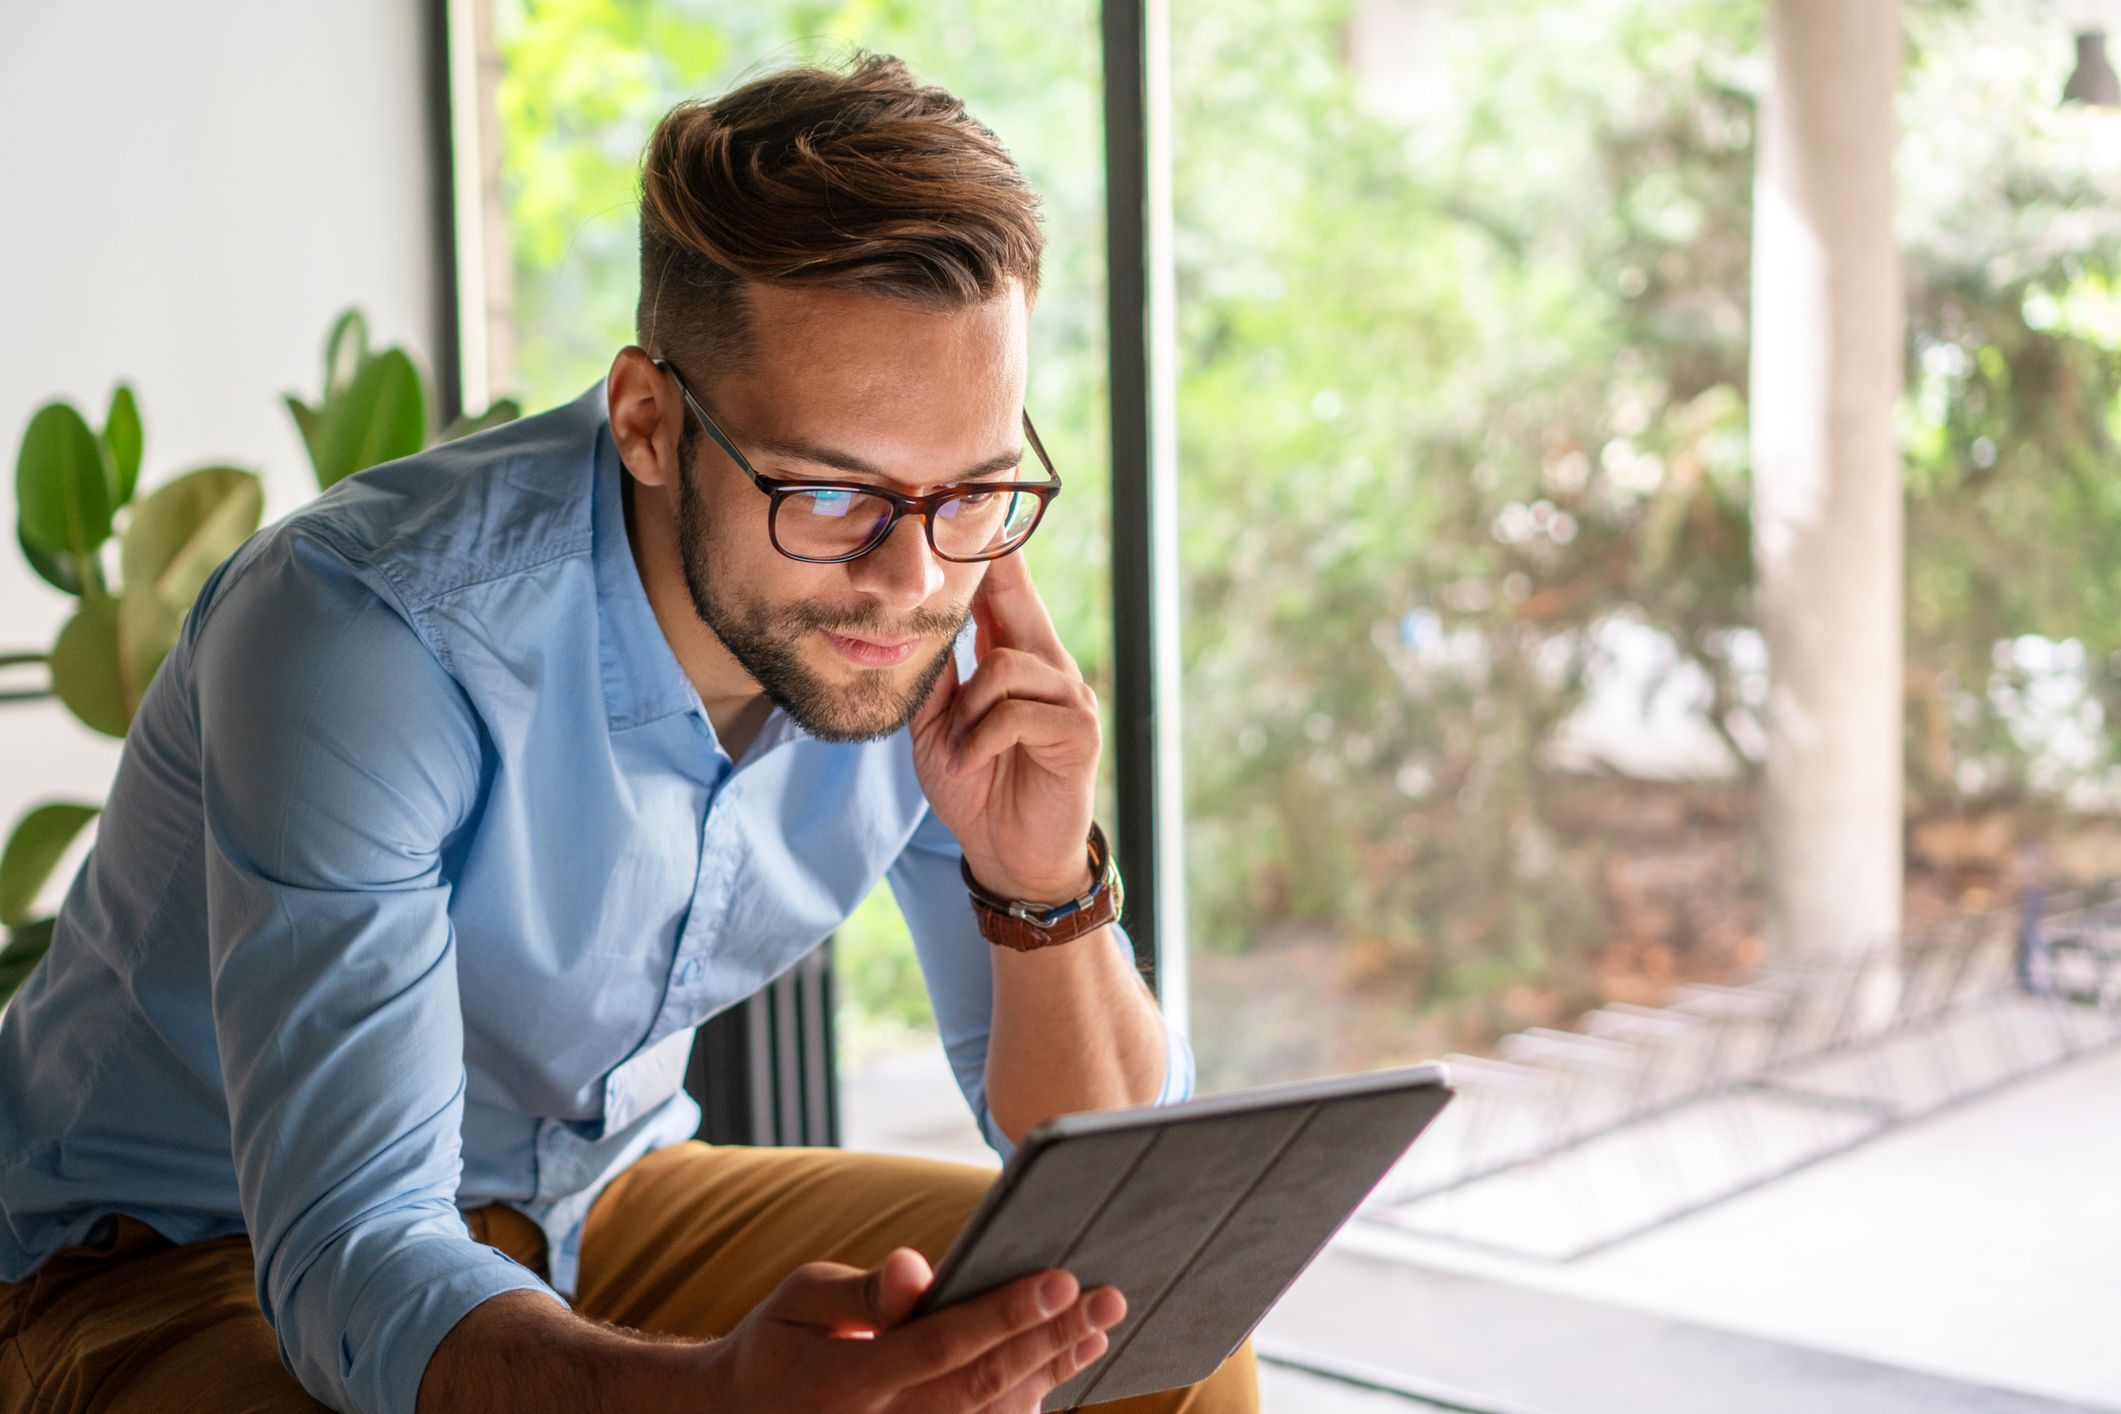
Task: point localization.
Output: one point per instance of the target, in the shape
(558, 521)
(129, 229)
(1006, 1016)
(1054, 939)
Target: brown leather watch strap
(1026, 927)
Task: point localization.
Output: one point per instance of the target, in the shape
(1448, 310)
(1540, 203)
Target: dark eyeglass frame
(926, 507)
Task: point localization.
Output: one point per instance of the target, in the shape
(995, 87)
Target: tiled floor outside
(1982, 1244)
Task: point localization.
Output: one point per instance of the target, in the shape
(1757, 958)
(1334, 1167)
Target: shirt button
(689, 970)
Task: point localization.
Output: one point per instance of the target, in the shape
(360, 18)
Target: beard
(768, 641)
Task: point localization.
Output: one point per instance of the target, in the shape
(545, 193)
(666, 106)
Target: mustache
(871, 618)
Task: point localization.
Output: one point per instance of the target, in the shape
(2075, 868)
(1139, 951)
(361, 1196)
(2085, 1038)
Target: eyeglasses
(829, 522)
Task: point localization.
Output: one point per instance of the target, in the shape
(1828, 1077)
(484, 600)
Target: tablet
(1201, 1213)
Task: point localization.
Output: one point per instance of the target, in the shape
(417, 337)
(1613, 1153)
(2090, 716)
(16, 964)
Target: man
(472, 788)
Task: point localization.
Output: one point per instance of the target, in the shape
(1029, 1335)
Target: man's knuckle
(988, 1379)
(931, 1347)
(1058, 1338)
(1024, 1309)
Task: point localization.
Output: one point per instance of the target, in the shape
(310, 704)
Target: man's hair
(859, 180)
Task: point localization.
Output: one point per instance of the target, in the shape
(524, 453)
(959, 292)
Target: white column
(1173, 981)
(485, 257)
(1828, 310)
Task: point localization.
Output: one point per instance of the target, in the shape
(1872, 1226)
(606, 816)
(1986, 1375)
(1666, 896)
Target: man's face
(846, 387)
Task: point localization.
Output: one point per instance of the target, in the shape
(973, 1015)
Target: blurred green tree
(1463, 392)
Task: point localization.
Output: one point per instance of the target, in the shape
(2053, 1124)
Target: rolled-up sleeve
(957, 964)
(339, 764)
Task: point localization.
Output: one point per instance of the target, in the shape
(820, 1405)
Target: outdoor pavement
(1969, 1263)
(1981, 1244)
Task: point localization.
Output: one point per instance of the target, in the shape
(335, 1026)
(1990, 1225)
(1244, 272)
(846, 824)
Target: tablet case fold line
(1111, 1357)
(1111, 1193)
(983, 1217)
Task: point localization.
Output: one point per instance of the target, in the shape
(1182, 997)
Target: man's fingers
(895, 1287)
(1010, 673)
(1036, 726)
(941, 697)
(1021, 1370)
(831, 1296)
(1013, 615)
(951, 1339)
(1102, 1310)
(1062, 1368)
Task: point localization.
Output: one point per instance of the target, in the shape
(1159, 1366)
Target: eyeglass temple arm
(1039, 447)
(721, 439)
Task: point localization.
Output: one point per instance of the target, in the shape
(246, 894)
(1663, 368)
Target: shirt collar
(643, 681)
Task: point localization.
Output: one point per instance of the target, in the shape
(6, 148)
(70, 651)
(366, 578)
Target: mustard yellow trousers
(685, 1243)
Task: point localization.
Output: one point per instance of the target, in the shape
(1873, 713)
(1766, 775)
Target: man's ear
(647, 416)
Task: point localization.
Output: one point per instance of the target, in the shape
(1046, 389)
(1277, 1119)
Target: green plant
(373, 408)
(74, 493)
(33, 851)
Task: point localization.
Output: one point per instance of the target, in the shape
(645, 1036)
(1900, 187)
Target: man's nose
(903, 571)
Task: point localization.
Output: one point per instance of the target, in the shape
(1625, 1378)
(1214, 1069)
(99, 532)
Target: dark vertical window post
(764, 1070)
(1142, 321)
(442, 102)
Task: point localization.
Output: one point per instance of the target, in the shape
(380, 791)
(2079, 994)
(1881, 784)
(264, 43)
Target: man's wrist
(1026, 925)
(1002, 885)
(1049, 894)
(523, 1353)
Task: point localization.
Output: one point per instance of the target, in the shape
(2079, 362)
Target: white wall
(188, 195)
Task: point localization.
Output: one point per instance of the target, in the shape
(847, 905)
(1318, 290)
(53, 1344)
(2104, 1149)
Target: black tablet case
(1202, 1213)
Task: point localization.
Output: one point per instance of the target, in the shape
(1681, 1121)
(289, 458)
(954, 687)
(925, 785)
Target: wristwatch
(1025, 926)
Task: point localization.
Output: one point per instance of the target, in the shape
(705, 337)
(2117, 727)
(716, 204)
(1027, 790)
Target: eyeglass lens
(834, 524)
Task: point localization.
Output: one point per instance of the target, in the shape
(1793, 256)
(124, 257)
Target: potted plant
(77, 513)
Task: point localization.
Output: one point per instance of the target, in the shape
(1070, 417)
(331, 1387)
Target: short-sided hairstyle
(858, 179)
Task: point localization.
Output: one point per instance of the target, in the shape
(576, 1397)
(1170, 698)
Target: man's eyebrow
(848, 462)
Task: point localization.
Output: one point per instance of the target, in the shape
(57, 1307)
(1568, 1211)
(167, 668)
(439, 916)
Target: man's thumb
(896, 1285)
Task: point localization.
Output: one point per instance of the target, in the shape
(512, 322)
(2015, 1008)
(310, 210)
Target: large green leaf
(33, 851)
(54, 567)
(175, 539)
(24, 949)
(124, 442)
(381, 417)
(85, 671)
(309, 421)
(345, 353)
(498, 411)
(62, 496)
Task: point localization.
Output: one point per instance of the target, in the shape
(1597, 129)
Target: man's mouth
(872, 652)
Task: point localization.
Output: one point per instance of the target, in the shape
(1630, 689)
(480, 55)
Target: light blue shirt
(422, 864)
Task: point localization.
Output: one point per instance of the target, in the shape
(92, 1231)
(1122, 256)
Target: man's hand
(830, 1340)
(1008, 758)
(805, 1349)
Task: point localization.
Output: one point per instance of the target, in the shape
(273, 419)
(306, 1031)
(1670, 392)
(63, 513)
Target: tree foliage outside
(1463, 299)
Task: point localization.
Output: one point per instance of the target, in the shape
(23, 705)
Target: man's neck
(735, 705)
